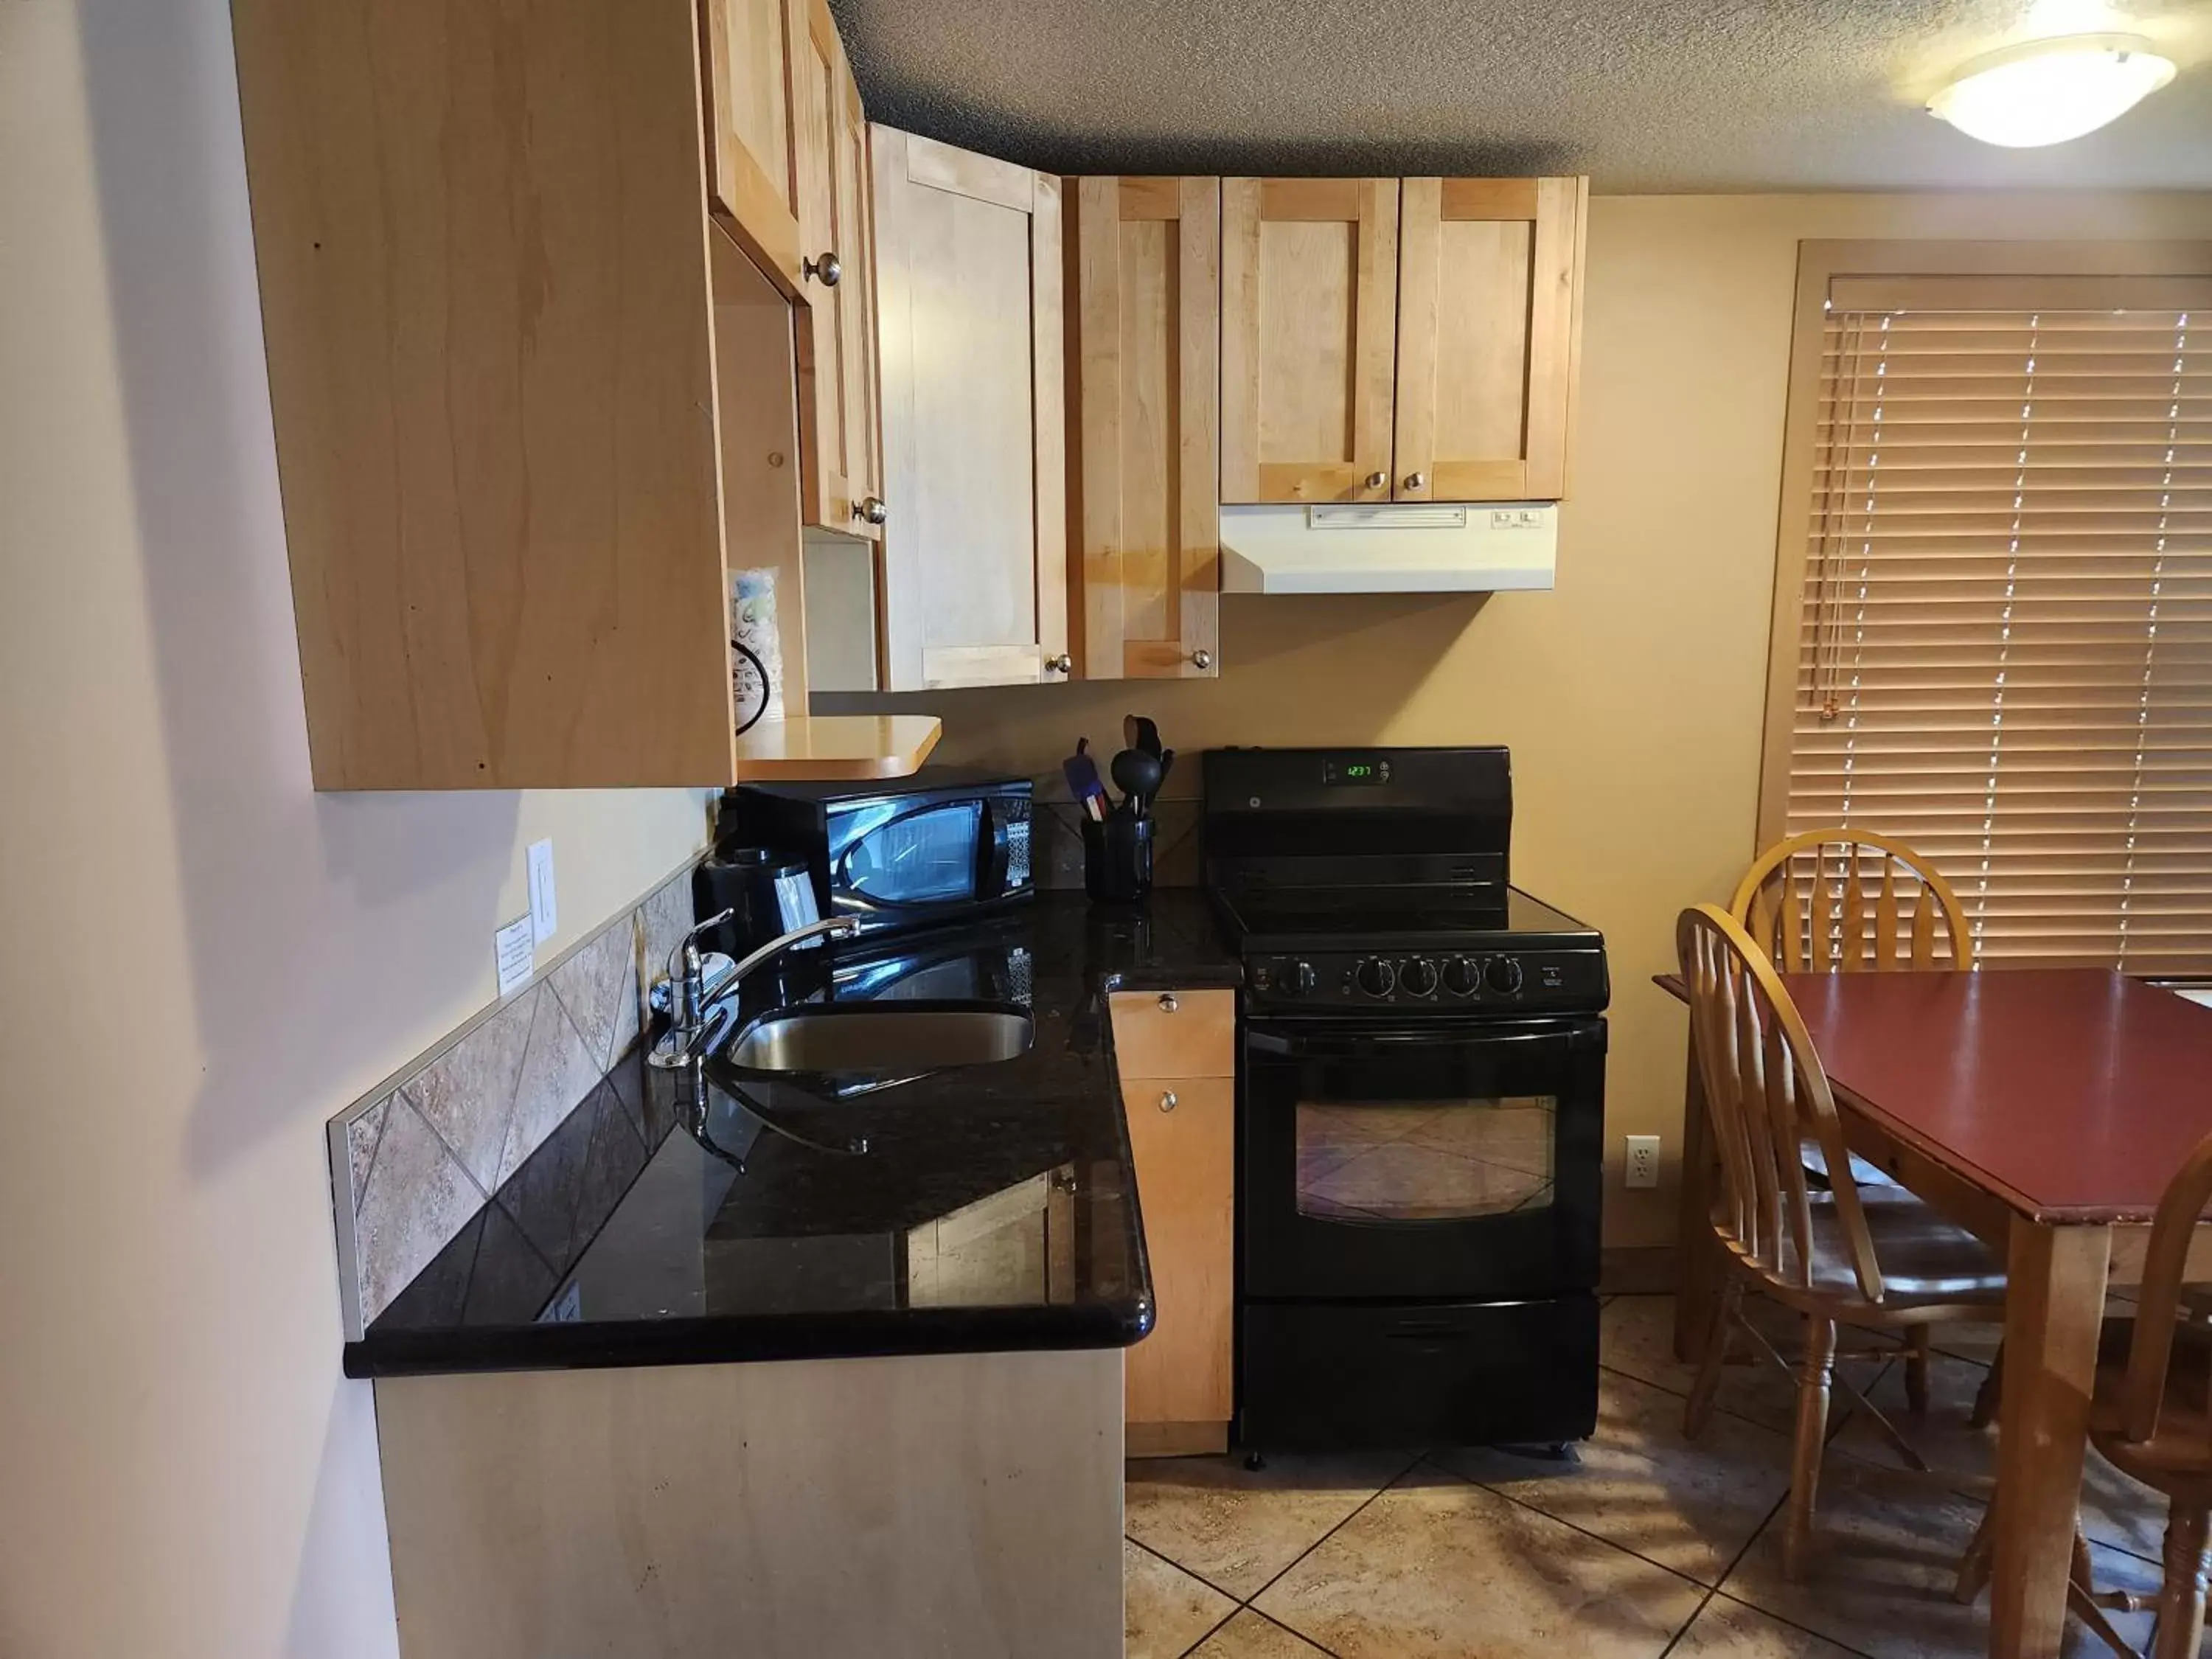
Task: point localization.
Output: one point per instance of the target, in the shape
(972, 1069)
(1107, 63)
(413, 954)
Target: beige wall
(205, 959)
(1632, 694)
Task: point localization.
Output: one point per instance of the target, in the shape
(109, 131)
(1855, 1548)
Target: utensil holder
(1117, 858)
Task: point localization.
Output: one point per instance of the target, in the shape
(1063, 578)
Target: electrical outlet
(1643, 1160)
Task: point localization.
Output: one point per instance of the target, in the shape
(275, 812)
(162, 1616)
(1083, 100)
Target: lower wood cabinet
(1177, 1388)
(1177, 1055)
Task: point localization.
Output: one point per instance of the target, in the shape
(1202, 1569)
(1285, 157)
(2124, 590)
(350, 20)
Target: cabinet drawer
(1183, 1135)
(1174, 1033)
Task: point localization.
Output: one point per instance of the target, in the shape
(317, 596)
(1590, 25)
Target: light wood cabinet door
(1488, 289)
(974, 568)
(1144, 370)
(1177, 1379)
(1174, 1033)
(751, 50)
(1309, 290)
(842, 481)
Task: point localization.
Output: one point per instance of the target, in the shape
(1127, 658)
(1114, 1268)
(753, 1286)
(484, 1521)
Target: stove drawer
(1334, 1375)
(1174, 1033)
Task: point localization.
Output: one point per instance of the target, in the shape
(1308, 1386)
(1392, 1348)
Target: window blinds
(2005, 644)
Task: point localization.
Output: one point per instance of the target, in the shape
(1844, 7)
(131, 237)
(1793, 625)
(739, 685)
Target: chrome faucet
(689, 997)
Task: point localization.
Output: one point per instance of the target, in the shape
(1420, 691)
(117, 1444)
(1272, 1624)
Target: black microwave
(944, 845)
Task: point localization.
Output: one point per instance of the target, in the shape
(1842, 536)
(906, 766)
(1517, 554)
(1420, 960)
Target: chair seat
(1926, 1262)
(2178, 1456)
(1865, 1174)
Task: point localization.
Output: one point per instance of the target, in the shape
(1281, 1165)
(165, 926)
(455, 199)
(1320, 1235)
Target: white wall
(205, 959)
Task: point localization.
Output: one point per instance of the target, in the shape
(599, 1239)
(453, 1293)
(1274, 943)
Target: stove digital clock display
(1355, 771)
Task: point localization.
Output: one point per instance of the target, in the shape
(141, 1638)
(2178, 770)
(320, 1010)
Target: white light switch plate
(1643, 1160)
(544, 912)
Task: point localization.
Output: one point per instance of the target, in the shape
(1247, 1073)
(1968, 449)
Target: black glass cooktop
(1352, 913)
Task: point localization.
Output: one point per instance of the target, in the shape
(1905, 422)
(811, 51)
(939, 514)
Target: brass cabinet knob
(1417, 481)
(871, 510)
(1168, 1003)
(1201, 657)
(1062, 664)
(1167, 1100)
(828, 269)
(1377, 480)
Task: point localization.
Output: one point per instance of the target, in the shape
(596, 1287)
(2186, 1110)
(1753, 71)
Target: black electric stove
(1421, 1105)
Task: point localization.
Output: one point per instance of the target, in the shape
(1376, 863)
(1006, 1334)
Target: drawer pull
(1168, 1003)
(1168, 1102)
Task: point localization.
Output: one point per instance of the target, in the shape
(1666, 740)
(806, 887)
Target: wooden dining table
(2044, 1110)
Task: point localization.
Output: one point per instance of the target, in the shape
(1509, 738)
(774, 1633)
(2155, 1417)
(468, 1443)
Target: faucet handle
(693, 932)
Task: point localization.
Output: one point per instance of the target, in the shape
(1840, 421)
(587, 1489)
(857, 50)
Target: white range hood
(1413, 547)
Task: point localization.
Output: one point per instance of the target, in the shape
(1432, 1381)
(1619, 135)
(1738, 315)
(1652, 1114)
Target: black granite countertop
(994, 1207)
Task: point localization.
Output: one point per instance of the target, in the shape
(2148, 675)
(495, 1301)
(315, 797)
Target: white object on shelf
(752, 624)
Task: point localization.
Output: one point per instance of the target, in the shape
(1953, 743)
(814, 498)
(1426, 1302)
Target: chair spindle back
(1767, 1095)
(1842, 900)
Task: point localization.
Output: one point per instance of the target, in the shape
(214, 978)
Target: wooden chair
(1879, 1261)
(1839, 900)
(2151, 1417)
(2152, 1414)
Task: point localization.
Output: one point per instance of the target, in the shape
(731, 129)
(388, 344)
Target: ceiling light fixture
(2044, 92)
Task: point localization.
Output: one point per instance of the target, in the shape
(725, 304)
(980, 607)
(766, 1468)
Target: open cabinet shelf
(836, 746)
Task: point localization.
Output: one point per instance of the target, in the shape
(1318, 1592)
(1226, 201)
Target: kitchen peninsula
(581, 1453)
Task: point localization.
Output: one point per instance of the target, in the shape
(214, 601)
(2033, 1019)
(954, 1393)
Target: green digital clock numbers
(1334, 771)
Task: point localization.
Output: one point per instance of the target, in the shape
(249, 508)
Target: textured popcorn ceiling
(1662, 95)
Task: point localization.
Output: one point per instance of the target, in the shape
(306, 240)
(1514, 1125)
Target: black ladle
(1136, 774)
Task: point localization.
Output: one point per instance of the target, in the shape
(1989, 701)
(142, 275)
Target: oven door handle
(1354, 1048)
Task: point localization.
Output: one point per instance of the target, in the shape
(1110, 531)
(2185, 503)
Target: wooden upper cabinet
(1144, 263)
(1488, 286)
(751, 51)
(840, 486)
(493, 389)
(1309, 290)
(532, 400)
(974, 567)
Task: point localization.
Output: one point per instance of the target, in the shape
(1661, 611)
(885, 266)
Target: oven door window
(891, 856)
(1425, 1160)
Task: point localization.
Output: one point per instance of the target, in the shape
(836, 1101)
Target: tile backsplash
(413, 1161)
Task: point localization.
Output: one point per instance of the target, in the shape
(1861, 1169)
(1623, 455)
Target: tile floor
(1650, 1546)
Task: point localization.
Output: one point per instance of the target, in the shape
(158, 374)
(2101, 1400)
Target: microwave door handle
(993, 852)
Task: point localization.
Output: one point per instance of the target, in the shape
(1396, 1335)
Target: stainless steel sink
(905, 1039)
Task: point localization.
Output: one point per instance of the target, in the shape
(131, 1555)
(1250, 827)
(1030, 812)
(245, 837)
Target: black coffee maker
(766, 894)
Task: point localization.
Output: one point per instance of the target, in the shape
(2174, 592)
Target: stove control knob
(1502, 975)
(1462, 977)
(1301, 980)
(1376, 977)
(1419, 978)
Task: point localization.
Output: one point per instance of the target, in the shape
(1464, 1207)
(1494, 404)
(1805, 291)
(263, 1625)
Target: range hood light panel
(1412, 547)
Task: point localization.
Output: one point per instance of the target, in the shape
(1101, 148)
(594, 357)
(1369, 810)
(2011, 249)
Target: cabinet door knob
(1377, 480)
(1167, 1003)
(871, 510)
(1201, 657)
(828, 269)
(1062, 664)
(1167, 1100)
(1417, 481)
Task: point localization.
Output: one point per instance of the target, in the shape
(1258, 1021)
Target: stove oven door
(1431, 1159)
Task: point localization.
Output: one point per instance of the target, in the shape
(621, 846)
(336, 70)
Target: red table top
(2074, 1094)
